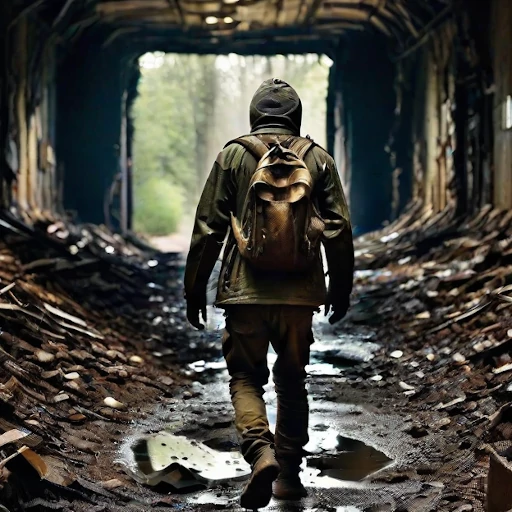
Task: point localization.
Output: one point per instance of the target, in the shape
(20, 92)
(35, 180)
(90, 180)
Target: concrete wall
(90, 90)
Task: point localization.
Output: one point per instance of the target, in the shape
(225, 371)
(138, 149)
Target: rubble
(437, 289)
(76, 329)
(93, 331)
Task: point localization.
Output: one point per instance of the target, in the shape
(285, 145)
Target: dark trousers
(249, 330)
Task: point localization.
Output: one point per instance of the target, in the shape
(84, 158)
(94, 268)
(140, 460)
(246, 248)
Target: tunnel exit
(187, 108)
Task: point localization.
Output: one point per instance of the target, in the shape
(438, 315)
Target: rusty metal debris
(76, 327)
(93, 330)
(499, 497)
(164, 457)
(437, 287)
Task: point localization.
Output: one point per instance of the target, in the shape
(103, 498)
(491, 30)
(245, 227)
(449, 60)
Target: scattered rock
(44, 357)
(113, 403)
(458, 358)
(405, 386)
(115, 483)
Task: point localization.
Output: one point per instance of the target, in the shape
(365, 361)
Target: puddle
(335, 460)
(202, 366)
(219, 499)
(323, 370)
(354, 461)
(343, 350)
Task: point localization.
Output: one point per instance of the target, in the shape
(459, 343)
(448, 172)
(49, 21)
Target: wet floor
(350, 445)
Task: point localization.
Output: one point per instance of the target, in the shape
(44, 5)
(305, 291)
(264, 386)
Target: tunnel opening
(187, 108)
(375, 165)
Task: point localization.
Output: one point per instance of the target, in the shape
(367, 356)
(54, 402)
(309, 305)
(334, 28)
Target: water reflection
(354, 461)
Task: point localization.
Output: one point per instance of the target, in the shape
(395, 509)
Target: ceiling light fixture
(228, 19)
(231, 1)
(211, 20)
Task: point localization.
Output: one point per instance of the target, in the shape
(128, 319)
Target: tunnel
(98, 367)
(383, 125)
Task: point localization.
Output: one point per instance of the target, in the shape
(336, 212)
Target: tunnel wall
(92, 152)
(362, 101)
(61, 109)
(433, 127)
(429, 125)
(28, 172)
(442, 144)
(6, 173)
(418, 127)
(502, 106)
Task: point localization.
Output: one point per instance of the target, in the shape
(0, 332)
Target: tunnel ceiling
(234, 25)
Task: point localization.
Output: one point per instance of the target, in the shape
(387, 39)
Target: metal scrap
(72, 336)
(441, 288)
(164, 457)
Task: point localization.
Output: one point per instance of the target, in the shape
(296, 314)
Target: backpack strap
(301, 146)
(251, 143)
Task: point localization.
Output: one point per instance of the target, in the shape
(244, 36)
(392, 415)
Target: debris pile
(437, 289)
(92, 332)
(86, 341)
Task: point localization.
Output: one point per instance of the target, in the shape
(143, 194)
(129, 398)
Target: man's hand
(194, 307)
(338, 307)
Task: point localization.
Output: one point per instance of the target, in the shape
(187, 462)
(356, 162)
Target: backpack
(279, 228)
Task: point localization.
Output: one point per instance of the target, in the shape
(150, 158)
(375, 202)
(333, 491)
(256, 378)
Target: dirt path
(368, 450)
(359, 441)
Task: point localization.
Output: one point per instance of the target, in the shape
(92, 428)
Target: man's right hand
(194, 307)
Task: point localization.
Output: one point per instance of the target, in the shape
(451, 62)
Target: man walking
(279, 197)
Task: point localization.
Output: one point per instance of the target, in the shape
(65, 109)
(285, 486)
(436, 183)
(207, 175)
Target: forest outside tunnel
(413, 98)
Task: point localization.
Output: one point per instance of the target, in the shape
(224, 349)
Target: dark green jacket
(239, 283)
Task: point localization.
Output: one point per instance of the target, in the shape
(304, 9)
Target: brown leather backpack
(279, 228)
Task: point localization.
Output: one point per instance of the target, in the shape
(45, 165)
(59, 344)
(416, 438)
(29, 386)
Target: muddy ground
(404, 410)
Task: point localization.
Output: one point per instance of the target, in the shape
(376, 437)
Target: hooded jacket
(275, 115)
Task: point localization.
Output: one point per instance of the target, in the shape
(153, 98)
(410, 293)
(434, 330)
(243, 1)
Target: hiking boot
(258, 491)
(289, 488)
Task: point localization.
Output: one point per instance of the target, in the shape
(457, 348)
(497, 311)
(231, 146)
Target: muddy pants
(249, 330)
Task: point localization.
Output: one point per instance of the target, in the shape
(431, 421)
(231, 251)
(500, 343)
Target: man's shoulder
(321, 155)
(231, 155)
(317, 148)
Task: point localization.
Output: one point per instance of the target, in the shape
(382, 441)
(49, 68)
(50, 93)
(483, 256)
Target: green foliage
(159, 207)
